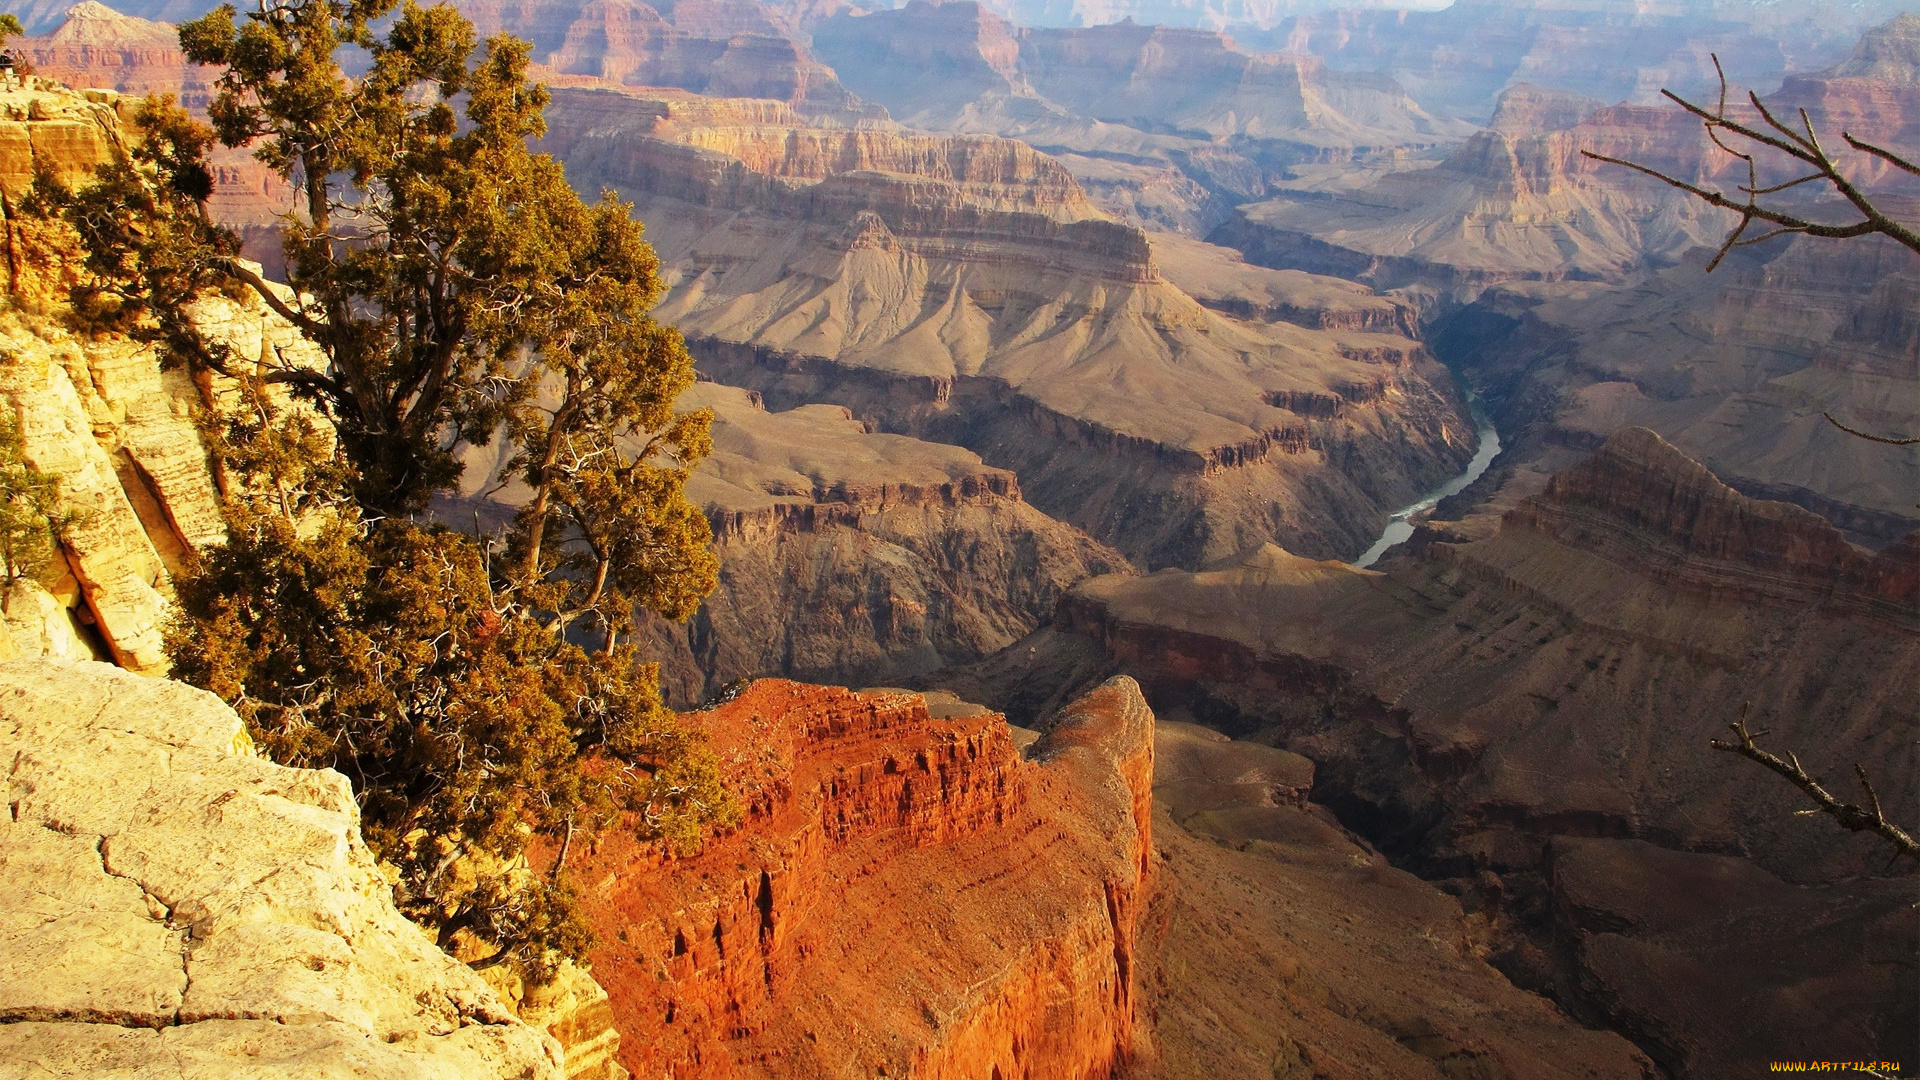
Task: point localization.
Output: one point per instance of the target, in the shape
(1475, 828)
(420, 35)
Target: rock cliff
(975, 908)
(727, 48)
(176, 906)
(857, 557)
(1476, 710)
(98, 413)
(1455, 60)
(969, 302)
(97, 47)
(847, 555)
(1736, 368)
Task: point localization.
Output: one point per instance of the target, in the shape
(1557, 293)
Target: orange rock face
(908, 895)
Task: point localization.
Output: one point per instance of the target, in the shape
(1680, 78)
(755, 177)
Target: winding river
(1399, 527)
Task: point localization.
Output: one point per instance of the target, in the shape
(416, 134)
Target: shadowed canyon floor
(1522, 711)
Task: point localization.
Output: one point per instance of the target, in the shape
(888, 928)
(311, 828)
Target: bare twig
(1869, 437)
(1803, 146)
(1868, 818)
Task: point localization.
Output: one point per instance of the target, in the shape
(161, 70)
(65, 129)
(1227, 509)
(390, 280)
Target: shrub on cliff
(476, 690)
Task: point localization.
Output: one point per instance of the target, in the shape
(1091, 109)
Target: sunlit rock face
(176, 906)
(909, 895)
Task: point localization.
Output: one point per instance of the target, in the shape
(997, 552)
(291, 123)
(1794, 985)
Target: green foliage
(30, 514)
(476, 692)
(10, 27)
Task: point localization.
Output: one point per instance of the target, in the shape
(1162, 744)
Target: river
(1399, 528)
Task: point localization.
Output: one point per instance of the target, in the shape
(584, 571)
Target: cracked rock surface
(172, 905)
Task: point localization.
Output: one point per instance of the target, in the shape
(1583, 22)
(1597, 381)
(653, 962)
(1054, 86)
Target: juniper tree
(457, 290)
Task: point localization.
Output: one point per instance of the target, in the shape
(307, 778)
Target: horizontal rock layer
(974, 909)
(1561, 678)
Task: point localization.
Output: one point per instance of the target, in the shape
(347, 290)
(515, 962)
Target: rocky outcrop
(1736, 368)
(97, 47)
(97, 412)
(1520, 202)
(729, 48)
(1055, 348)
(1560, 678)
(1165, 127)
(176, 906)
(977, 910)
(1454, 61)
(854, 557)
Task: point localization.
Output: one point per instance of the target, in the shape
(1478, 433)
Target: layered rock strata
(1518, 202)
(1455, 60)
(729, 48)
(173, 905)
(908, 896)
(97, 413)
(1475, 710)
(971, 301)
(1166, 127)
(1739, 368)
(856, 557)
(97, 47)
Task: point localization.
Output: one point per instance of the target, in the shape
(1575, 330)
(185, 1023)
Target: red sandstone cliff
(909, 896)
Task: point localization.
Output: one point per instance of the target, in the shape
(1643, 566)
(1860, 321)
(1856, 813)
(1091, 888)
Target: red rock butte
(890, 867)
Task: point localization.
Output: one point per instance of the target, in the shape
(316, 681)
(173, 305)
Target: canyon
(1054, 367)
(1520, 707)
(977, 300)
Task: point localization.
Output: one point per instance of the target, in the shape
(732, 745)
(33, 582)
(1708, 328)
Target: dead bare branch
(1870, 438)
(1868, 818)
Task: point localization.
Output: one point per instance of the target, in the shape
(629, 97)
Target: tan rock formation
(175, 906)
(99, 414)
(97, 47)
(1049, 343)
(1520, 202)
(1166, 127)
(1736, 368)
(857, 557)
(908, 895)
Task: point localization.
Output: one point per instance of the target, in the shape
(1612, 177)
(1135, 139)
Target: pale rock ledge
(172, 906)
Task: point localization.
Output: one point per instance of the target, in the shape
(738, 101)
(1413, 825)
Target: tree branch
(1869, 818)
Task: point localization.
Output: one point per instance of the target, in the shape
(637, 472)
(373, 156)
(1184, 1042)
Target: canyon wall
(978, 304)
(97, 413)
(1166, 128)
(174, 905)
(855, 557)
(1524, 717)
(1519, 201)
(890, 868)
